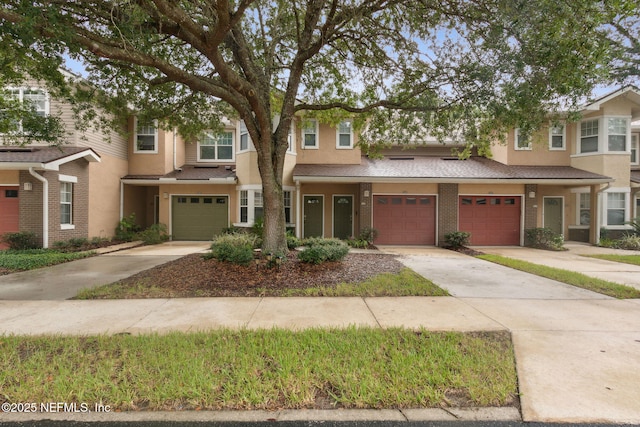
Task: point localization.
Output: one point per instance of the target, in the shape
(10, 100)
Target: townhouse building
(577, 178)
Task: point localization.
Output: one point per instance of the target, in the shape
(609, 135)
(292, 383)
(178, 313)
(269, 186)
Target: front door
(313, 214)
(553, 214)
(342, 217)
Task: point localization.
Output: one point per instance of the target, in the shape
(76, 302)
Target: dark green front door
(313, 214)
(342, 217)
(553, 213)
(198, 217)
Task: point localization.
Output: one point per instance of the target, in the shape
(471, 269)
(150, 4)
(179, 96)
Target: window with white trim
(214, 147)
(287, 206)
(244, 206)
(310, 133)
(584, 208)
(557, 137)
(617, 134)
(616, 208)
(290, 144)
(252, 206)
(244, 136)
(36, 98)
(522, 140)
(637, 212)
(344, 137)
(634, 149)
(66, 203)
(589, 130)
(258, 210)
(146, 136)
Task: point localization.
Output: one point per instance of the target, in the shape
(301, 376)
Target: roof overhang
(630, 92)
(53, 165)
(158, 181)
(541, 181)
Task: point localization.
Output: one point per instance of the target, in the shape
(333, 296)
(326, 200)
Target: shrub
(127, 228)
(236, 248)
(629, 241)
(635, 223)
(368, 234)
(357, 243)
(21, 240)
(544, 238)
(319, 250)
(457, 239)
(154, 235)
(292, 241)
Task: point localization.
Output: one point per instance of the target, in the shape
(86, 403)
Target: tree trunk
(271, 172)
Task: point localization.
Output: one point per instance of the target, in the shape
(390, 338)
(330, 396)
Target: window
(522, 140)
(634, 149)
(287, 207)
(589, 136)
(146, 137)
(215, 146)
(616, 203)
(252, 206)
(584, 209)
(344, 138)
(10, 194)
(310, 133)
(617, 132)
(66, 203)
(244, 136)
(36, 98)
(557, 137)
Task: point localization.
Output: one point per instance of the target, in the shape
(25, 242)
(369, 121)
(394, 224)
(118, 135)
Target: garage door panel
(199, 217)
(404, 220)
(491, 220)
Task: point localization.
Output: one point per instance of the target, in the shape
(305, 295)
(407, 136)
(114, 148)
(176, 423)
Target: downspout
(45, 206)
(121, 199)
(175, 144)
(599, 210)
(298, 211)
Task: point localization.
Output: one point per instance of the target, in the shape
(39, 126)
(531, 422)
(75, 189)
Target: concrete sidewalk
(577, 352)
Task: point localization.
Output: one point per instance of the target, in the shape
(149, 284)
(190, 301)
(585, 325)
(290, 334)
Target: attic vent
(16, 150)
(401, 158)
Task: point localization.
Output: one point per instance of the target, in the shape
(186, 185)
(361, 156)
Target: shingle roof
(38, 154)
(191, 173)
(442, 169)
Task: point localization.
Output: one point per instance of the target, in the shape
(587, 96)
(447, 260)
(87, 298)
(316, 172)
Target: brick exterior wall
(530, 210)
(365, 206)
(447, 210)
(31, 202)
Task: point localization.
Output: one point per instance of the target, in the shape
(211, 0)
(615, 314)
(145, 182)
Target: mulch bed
(193, 275)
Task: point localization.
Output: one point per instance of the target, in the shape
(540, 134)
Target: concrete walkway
(577, 352)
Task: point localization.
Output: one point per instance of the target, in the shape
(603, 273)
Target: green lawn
(627, 259)
(12, 260)
(264, 369)
(612, 289)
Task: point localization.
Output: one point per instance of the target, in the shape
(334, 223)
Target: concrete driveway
(63, 281)
(577, 352)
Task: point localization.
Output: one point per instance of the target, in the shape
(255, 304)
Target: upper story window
(604, 135)
(617, 132)
(244, 136)
(589, 130)
(522, 140)
(310, 133)
(344, 138)
(557, 137)
(146, 136)
(34, 97)
(290, 144)
(634, 149)
(214, 147)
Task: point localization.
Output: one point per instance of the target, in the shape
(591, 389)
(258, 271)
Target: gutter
(45, 206)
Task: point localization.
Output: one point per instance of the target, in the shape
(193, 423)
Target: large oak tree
(461, 69)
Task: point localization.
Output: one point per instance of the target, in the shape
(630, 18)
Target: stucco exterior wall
(509, 189)
(326, 151)
(9, 177)
(615, 166)
(104, 195)
(158, 163)
(410, 188)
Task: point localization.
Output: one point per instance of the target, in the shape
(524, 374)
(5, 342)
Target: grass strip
(573, 278)
(627, 259)
(262, 369)
(405, 283)
(37, 258)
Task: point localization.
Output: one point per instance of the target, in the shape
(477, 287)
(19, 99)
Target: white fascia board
(89, 155)
(317, 179)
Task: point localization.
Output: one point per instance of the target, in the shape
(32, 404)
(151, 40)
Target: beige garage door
(198, 217)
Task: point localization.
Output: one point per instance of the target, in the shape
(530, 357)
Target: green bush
(629, 241)
(457, 239)
(368, 234)
(153, 235)
(21, 240)
(320, 250)
(357, 243)
(544, 238)
(292, 241)
(236, 248)
(127, 228)
(635, 223)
